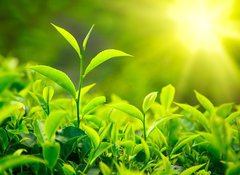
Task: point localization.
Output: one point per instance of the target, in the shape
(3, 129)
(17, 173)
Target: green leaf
(105, 169)
(128, 145)
(102, 57)
(232, 117)
(48, 93)
(3, 139)
(204, 102)
(93, 104)
(87, 88)
(224, 110)
(68, 36)
(68, 169)
(52, 123)
(167, 96)
(12, 161)
(38, 129)
(104, 146)
(6, 112)
(196, 114)
(129, 109)
(183, 142)
(51, 153)
(146, 150)
(192, 169)
(148, 101)
(6, 79)
(41, 101)
(57, 76)
(93, 135)
(161, 120)
(86, 38)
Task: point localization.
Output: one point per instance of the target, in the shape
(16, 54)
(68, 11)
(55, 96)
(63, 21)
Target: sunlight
(201, 25)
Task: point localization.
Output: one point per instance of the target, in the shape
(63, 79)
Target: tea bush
(47, 126)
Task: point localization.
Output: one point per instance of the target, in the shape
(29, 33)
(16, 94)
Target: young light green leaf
(129, 109)
(6, 112)
(6, 79)
(105, 169)
(224, 110)
(183, 142)
(53, 122)
(51, 152)
(87, 88)
(146, 150)
(197, 114)
(86, 38)
(148, 101)
(12, 161)
(232, 117)
(93, 135)
(192, 169)
(204, 102)
(57, 76)
(102, 57)
(167, 96)
(68, 169)
(38, 129)
(48, 93)
(68, 36)
(93, 104)
(161, 120)
(104, 146)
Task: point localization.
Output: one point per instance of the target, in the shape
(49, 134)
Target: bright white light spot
(201, 25)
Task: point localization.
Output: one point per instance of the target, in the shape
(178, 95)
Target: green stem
(78, 100)
(144, 127)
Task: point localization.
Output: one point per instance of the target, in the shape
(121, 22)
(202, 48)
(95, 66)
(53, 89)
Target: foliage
(46, 131)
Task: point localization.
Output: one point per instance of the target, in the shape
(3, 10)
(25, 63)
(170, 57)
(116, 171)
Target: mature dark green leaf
(167, 96)
(53, 122)
(68, 36)
(57, 76)
(3, 139)
(51, 152)
(12, 161)
(129, 109)
(148, 101)
(67, 133)
(93, 104)
(86, 38)
(102, 57)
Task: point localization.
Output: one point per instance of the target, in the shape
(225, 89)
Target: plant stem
(144, 127)
(78, 100)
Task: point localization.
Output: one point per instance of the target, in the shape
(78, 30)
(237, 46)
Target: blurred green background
(139, 27)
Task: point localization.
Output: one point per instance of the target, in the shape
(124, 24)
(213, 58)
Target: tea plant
(43, 131)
